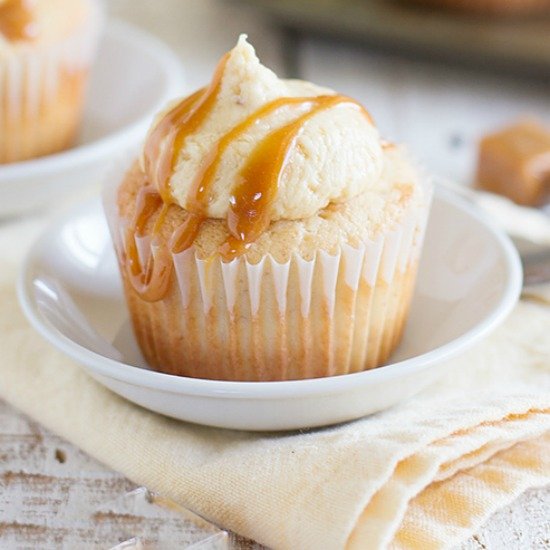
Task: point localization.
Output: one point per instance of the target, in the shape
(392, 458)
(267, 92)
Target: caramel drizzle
(173, 129)
(17, 20)
(151, 280)
(259, 179)
(160, 158)
(250, 202)
(249, 205)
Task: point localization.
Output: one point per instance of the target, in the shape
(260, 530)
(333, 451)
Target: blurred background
(433, 76)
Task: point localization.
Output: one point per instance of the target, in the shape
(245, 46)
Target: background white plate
(133, 77)
(469, 280)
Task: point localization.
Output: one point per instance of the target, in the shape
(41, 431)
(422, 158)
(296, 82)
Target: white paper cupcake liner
(332, 314)
(42, 89)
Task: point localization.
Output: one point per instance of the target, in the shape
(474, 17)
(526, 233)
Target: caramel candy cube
(515, 162)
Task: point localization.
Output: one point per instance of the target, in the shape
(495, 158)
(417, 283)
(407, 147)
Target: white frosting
(337, 156)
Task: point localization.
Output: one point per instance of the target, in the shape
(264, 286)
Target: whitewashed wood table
(52, 495)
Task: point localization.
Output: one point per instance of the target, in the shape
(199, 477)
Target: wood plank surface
(55, 496)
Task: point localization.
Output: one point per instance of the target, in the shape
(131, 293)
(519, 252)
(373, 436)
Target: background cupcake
(46, 50)
(268, 233)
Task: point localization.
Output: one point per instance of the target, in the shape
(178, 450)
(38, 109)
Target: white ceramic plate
(116, 118)
(469, 280)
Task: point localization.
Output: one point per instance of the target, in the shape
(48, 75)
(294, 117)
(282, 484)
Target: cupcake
(489, 7)
(46, 49)
(267, 232)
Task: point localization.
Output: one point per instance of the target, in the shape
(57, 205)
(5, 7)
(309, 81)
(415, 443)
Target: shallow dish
(469, 280)
(115, 119)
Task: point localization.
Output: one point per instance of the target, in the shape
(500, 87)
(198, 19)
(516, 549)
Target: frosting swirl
(336, 154)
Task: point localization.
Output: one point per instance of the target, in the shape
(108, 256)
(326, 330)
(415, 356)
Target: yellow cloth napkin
(425, 474)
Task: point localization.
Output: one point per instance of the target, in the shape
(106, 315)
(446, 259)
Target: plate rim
(99, 365)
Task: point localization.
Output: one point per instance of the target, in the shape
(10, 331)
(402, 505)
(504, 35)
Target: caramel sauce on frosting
(182, 121)
(251, 196)
(17, 20)
(250, 200)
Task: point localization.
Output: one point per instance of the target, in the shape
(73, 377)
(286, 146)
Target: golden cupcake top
(352, 223)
